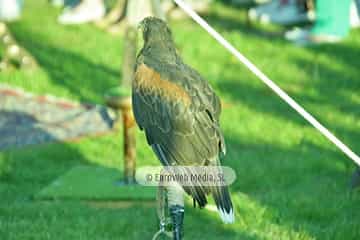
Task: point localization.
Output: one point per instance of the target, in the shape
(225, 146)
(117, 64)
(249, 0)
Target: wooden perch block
(129, 145)
(122, 104)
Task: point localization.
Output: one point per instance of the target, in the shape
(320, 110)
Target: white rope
(268, 81)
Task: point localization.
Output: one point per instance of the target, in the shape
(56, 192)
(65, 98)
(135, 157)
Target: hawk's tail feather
(198, 194)
(223, 203)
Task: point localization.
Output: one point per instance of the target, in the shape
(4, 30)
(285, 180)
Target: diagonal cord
(282, 94)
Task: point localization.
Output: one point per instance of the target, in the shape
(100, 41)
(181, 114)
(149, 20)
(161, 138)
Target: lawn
(291, 182)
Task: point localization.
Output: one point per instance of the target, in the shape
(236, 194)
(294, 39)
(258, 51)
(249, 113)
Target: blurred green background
(291, 182)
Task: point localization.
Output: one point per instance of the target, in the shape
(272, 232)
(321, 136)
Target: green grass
(99, 184)
(291, 182)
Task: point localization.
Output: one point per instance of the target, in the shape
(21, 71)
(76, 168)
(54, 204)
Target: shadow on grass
(335, 80)
(33, 167)
(330, 91)
(261, 100)
(27, 170)
(200, 223)
(242, 23)
(304, 187)
(71, 71)
(334, 69)
(299, 190)
(267, 166)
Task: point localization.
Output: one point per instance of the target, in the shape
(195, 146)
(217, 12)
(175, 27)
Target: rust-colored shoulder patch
(148, 79)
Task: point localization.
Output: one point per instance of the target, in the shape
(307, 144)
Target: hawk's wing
(179, 113)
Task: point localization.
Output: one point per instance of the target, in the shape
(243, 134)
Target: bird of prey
(178, 111)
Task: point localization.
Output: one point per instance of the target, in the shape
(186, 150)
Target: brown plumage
(147, 79)
(178, 111)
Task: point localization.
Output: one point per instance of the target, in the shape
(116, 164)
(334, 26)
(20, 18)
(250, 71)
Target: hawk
(178, 111)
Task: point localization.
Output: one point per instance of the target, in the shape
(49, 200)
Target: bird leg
(177, 216)
(175, 196)
(162, 212)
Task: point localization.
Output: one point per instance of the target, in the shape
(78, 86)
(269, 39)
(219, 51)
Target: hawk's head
(155, 29)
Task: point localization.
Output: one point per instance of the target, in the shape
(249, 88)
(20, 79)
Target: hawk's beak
(141, 26)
